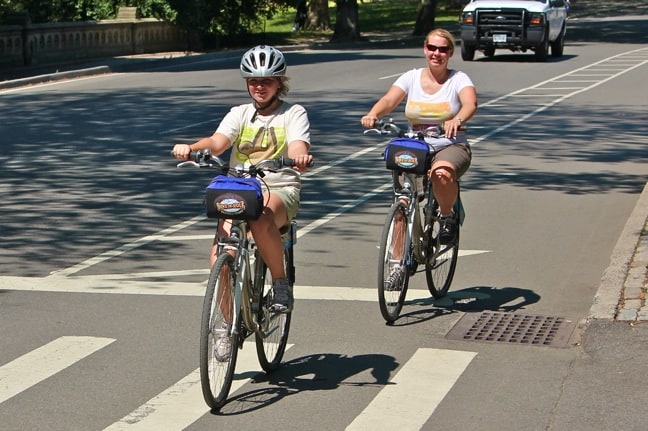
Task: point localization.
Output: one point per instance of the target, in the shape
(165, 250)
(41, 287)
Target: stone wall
(33, 44)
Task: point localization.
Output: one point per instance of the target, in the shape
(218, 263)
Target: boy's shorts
(289, 195)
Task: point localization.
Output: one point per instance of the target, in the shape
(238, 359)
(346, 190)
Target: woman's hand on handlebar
(181, 151)
(451, 127)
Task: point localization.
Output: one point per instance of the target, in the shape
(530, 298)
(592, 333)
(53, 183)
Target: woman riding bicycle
(267, 128)
(436, 96)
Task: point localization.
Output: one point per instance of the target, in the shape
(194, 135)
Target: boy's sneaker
(223, 346)
(448, 231)
(395, 278)
(282, 296)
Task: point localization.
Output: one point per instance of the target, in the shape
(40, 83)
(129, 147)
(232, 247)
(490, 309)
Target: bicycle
(411, 233)
(238, 295)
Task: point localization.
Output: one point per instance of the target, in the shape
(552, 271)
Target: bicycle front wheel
(393, 274)
(440, 259)
(272, 336)
(219, 333)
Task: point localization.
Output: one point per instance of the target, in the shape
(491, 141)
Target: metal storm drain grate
(497, 327)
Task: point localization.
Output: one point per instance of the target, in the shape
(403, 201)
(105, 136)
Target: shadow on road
(316, 372)
(471, 299)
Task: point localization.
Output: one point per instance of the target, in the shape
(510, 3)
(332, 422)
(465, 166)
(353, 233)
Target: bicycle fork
(237, 242)
(411, 248)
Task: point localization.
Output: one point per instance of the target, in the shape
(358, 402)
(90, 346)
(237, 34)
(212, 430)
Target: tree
(318, 15)
(425, 18)
(346, 21)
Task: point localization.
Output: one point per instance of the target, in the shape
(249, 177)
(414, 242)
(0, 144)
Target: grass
(374, 16)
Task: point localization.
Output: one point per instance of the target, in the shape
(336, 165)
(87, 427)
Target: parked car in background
(516, 25)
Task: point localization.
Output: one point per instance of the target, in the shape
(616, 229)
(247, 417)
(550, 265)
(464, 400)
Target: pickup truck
(517, 25)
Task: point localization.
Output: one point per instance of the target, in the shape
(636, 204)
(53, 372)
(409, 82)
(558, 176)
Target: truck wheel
(542, 50)
(467, 52)
(557, 46)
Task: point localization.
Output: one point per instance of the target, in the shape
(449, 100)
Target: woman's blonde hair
(441, 32)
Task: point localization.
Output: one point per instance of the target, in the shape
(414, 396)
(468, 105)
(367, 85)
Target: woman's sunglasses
(442, 49)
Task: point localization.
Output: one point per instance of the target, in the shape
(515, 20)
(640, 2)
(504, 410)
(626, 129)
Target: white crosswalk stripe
(182, 404)
(39, 364)
(415, 392)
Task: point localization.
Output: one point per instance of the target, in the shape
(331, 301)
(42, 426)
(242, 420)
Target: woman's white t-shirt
(256, 137)
(423, 109)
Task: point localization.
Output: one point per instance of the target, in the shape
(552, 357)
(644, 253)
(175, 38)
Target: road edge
(610, 291)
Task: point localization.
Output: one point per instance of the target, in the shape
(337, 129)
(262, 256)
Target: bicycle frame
(239, 292)
(408, 194)
(248, 269)
(422, 231)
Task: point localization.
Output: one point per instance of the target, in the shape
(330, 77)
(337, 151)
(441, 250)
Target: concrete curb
(56, 76)
(610, 291)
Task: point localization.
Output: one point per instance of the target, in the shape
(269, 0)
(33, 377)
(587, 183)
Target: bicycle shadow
(316, 372)
(472, 299)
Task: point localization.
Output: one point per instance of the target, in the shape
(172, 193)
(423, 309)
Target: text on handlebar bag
(234, 198)
(408, 155)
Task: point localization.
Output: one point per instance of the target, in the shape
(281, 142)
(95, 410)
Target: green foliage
(230, 21)
(394, 15)
(160, 9)
(374, 16)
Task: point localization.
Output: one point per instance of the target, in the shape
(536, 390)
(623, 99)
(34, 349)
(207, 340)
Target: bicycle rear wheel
(440, 259)
(272, 338)
(393, 274)
(217, 368)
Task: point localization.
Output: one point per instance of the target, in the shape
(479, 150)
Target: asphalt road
(104, 249)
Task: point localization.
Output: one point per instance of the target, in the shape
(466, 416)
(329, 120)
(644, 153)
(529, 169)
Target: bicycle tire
(272, 339)
(440, 266)
(216, 375)
(391, 296)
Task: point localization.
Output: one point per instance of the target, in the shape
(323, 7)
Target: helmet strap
(258, 107)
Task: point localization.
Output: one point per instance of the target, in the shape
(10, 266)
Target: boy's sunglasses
(442, 49)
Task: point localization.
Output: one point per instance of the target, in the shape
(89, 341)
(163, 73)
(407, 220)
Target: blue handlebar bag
(408, 155)
(234, 198)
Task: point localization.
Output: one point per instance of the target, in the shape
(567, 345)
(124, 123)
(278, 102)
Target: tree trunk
(347, 27)
(318, 15)
(425, 18)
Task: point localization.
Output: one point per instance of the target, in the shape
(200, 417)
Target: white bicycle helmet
(263, 61)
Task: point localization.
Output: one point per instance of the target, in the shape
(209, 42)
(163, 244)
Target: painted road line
(39, 364)
(105, 285)
(415, 392)
(128, 247)
(182, 404)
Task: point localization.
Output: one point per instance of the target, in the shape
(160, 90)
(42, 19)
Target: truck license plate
(499, 38)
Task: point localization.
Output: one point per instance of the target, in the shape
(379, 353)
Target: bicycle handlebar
(204, 159)
(388, 127)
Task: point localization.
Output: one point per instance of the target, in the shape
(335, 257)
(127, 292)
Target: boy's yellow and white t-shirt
(256, 137)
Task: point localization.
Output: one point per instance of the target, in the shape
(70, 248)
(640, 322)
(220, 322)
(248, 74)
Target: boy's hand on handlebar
(302, 162)
(181, 151)
(369, 121)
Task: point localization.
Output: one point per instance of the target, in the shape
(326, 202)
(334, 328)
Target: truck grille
(500, 20)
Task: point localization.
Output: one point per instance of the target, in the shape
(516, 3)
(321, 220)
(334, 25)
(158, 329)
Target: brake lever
(369, 131)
